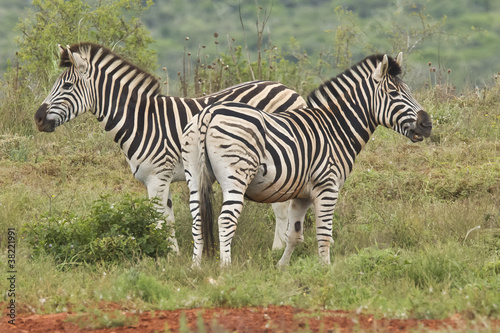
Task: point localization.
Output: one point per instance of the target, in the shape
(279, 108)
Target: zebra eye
(67, 85)
(394, 93)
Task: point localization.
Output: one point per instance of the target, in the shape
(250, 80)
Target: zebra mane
(370, 62)
(92, 49)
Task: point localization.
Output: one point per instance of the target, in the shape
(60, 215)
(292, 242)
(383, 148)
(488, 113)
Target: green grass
(405, 243)
(433, 282)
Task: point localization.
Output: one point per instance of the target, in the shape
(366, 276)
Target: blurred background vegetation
(325, 35)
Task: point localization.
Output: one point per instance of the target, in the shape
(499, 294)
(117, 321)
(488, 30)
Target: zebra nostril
(40, 116)
(425, 124)
(423, 120)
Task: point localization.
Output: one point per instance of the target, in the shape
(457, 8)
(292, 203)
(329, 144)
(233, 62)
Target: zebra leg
(323, 210)
(161, 189)
(169, 212)
(194, 206)
(295, 231)
(190, 153)
(228, 220)
(281, 212)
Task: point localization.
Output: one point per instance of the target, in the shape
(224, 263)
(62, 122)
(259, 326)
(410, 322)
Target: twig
(246, 44)
(233, 56)
(468, 232)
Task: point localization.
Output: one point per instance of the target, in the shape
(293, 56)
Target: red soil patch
(255, 319)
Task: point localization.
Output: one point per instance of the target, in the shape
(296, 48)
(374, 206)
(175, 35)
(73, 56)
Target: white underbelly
(145, 171)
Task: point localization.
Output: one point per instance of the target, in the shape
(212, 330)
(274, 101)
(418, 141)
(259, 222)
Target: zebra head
(71, 93)
(394, 106)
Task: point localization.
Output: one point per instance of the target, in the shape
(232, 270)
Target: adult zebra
(147, 125)
(304, 155)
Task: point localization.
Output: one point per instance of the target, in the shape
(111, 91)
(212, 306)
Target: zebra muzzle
(421, 128)
(41, 122)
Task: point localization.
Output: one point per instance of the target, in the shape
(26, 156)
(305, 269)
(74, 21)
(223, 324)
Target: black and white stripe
(304, 155)
(146, 124)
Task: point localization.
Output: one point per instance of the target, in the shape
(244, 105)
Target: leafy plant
(112, 232)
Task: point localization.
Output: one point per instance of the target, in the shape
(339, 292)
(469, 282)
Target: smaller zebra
(303, 155)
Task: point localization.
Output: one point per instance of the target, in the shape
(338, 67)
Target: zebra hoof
(174, 247)
(282, 265)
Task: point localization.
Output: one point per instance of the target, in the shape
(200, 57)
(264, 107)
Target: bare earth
(251, 319)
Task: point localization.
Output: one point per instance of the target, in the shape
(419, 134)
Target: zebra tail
(205, 182)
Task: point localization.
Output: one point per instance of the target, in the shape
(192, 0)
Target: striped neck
(347, 100)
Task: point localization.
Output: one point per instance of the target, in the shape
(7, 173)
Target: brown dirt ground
(251, 319)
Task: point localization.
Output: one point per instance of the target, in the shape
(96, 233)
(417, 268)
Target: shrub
(116, 24)
(112, 232)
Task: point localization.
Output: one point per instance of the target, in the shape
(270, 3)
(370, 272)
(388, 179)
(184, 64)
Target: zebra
(146, 124)
(302, 155)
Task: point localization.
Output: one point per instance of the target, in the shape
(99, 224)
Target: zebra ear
(77, 60)
(61, 49)
(399, 59)
(381, 69)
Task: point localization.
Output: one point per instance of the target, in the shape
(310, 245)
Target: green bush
(111, 233)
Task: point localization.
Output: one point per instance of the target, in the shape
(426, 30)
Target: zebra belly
(265, 188)
(145, 171)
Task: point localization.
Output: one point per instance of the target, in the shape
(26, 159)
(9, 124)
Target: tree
(116, 24)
